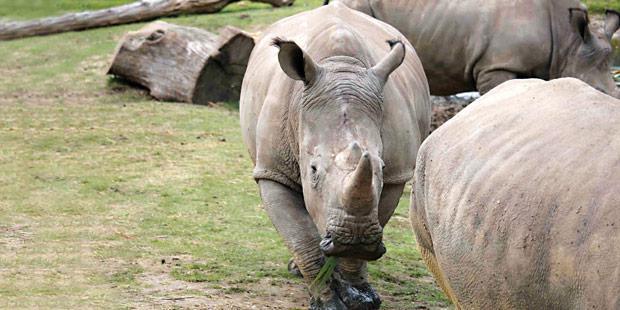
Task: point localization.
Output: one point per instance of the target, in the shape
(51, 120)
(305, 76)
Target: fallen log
(184, 64)
(138, 11)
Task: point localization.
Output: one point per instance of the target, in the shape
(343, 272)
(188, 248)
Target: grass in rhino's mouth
(325, 273)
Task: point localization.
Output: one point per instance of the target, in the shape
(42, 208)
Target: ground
(110, 199)
(113, 200)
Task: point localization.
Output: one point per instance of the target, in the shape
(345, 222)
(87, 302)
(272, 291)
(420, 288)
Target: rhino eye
(315, 177)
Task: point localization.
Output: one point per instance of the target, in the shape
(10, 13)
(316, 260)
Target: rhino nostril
(327, 245)
(381, 249)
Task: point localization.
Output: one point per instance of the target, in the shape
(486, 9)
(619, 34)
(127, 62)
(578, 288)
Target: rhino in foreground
(517, 199)
(333, 140)
(478, 44)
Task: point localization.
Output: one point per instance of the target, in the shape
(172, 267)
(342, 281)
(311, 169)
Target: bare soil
(444, 108)
(161, 291)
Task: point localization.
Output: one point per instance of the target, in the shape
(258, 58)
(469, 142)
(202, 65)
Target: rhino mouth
(331, 247)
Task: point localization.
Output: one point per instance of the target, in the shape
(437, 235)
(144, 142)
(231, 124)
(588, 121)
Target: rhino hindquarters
(424, 240)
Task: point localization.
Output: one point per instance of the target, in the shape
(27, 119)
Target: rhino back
(457, 40)
(521, 194)
(334, 30)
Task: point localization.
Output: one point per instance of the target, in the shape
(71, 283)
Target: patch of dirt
(444, 108)
(14, 237)
(161, 291)
(97, 64)
(38, 98)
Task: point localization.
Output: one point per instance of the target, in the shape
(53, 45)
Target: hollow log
(138, 11)
(184, 64)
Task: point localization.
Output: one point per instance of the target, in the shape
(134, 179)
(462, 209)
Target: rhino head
(338, 127)
(589, 55)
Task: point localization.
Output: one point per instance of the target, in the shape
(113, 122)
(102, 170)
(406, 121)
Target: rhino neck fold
(554, 69)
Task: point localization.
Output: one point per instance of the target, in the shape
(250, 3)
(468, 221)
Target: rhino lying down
(478, 44)
(517, 199)
(333, 139)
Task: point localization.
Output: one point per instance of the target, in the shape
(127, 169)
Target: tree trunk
(184, 64)
(138, 11)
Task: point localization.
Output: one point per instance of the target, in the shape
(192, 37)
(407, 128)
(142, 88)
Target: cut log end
(184, 64)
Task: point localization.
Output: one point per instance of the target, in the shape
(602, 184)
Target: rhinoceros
(517, 199)
(333, 139)
(478, 44)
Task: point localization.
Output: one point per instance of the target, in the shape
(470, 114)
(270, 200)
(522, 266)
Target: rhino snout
(366, 246)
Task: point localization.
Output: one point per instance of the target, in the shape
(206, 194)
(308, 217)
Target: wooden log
(184, 64)
(138, 11)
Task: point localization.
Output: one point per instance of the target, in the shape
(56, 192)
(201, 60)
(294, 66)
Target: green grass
(112, 200)
(599, 6)
(44, 8)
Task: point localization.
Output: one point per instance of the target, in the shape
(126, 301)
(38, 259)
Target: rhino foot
(334, 303)
(343, 294)
(357, 296)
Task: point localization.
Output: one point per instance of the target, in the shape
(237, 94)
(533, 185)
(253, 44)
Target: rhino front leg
(487, 80)
(351, 285)
(390, 196)
(288, 213)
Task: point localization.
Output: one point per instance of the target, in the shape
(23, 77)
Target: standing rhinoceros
(333, 139)
(478, 44)
(517, 199)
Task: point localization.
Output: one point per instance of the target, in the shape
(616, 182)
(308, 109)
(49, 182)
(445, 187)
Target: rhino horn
(390, 62)
(358, 190)
(612, 22)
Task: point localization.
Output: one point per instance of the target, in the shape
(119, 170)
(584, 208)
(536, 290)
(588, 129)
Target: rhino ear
(579, 20)
(295, 62)
(612, 22)
(389, 63)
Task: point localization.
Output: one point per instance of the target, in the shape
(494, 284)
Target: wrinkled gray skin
(478, 44)
(333, 139)
(517, 199)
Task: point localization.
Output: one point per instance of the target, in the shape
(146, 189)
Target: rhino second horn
(358, 190)
(355, 152)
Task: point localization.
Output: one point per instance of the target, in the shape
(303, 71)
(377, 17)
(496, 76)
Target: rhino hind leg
(487, 80)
